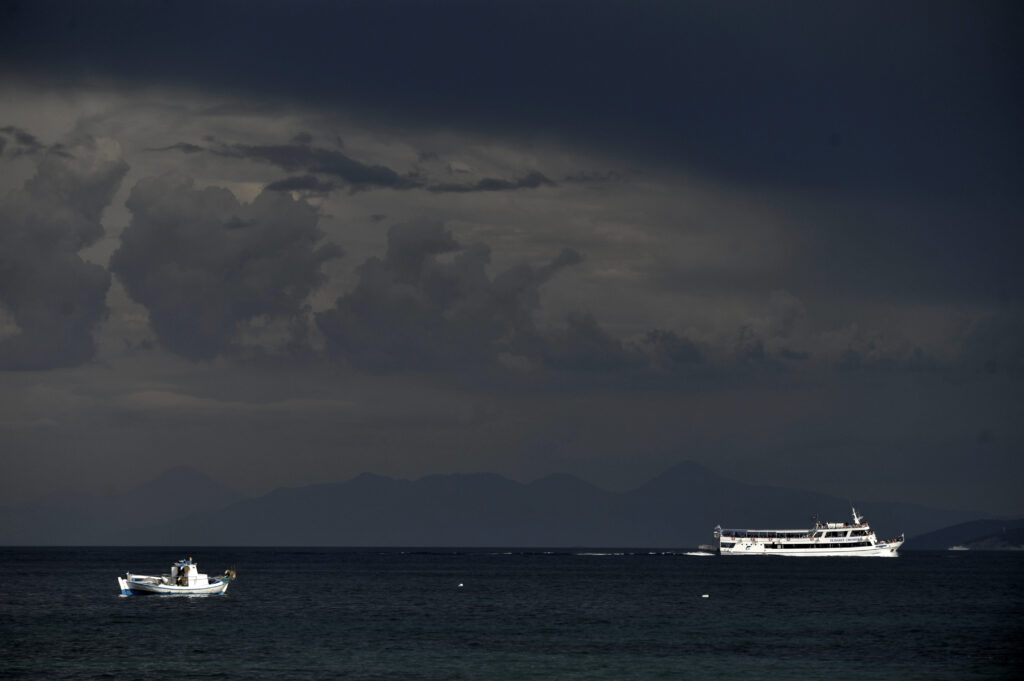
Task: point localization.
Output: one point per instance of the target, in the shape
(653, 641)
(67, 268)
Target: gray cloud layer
(411, 311)
(16, 142)
(859, 96)
(489, 184)
(292, 157)
(202, 263)
(54, 296)
(328, 169)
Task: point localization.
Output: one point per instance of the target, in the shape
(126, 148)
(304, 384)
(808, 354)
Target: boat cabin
(186, 573)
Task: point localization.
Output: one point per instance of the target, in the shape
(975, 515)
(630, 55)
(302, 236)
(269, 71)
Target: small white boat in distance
(824, 539)
(185, 579)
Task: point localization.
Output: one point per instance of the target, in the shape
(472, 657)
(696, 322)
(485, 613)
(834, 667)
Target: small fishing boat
(185, 579)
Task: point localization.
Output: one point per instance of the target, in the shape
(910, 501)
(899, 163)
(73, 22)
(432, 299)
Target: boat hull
(880, 550)
(131, 587)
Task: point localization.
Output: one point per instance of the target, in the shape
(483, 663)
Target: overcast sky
(285, 243)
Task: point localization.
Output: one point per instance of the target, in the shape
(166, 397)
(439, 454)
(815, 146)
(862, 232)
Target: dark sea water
(401, 614)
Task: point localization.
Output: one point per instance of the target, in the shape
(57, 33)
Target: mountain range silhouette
(676, 509)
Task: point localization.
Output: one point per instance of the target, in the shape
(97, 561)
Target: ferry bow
(824, 539)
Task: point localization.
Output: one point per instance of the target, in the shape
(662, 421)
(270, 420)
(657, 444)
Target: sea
(360, 613)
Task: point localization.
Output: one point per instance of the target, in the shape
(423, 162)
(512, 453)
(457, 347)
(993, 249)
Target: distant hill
(977, 534)
(1007, 540)
(439, 510)
(65, 519)
(676, 509)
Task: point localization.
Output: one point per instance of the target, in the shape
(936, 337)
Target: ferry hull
(889, 550)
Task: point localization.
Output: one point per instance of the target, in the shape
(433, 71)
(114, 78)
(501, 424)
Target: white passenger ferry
(824, 539)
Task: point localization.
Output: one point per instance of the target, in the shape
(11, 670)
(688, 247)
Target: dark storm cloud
(203, 264)
(429, 306)
(906, 97)
(869, 359)
(183, 147)
(945, 250)
(490, 184)
(995, 344)
(749, 346)
(322, 161)
(414, 311)
(302, 183)
(16, 142)
(583, 346)
(895, 105)
(588, 176)
(669, 351)
(54, 296)
(302, 157)
(346, 171)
